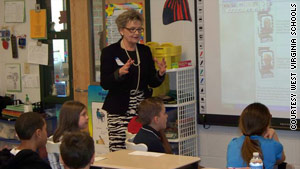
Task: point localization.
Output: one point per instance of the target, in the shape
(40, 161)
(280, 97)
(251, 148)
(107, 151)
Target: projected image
(247, 56)
(266, 65)
(266, 27)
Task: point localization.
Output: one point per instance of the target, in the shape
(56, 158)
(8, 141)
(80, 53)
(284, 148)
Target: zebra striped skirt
(117, 124)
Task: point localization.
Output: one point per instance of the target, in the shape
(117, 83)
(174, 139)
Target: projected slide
(248, 53)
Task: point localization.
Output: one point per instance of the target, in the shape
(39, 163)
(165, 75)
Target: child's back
(27, 159)
(254, 124)
(271, 149)
(31, 129)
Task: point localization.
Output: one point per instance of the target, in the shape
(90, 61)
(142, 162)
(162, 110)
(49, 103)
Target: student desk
(122, 159)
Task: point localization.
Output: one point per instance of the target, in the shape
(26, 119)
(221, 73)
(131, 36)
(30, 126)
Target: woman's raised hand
(162, 66)
(124, 69)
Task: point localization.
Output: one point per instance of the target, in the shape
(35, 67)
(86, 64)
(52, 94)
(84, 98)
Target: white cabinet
(183, 111)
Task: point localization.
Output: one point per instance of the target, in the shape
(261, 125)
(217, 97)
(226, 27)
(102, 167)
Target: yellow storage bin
(167, 44)
(168, 51)
(163, 89)
(152, 45)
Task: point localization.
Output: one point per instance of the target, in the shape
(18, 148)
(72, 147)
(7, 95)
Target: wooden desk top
(122, 159)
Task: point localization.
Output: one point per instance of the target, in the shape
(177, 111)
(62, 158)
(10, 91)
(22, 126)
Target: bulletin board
(113, 8)
(105, 31)
(98, 122)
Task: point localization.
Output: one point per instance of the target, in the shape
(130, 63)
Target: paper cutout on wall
(175, 10)
(14, 11)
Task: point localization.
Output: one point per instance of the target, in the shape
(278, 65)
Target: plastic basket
(171, 60)
(163, 89)
(152, 45)
(167, 51)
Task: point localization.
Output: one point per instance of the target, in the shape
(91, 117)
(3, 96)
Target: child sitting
(135, 125)
(77, 150)
(31, 129)
(254, 124)
(72, 118)
(152, 115)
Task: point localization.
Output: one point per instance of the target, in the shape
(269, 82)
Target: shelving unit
(183, 81)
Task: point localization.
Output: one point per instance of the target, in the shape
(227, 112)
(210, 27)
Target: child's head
(73, 117)
(152, 112)
(77, 150)
(32, 127)
(254, 120)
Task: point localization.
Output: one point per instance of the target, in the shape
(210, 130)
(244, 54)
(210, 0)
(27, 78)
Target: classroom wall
(212, 142)
(6, 55)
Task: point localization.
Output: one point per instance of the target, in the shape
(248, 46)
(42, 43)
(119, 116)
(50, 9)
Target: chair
(129, 135)
(130, 145)
(285, 166)
(53, 154)
(52, 147)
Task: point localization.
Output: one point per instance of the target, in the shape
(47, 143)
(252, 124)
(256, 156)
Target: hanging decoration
(5, 37)
(175, 10)
(22, 41)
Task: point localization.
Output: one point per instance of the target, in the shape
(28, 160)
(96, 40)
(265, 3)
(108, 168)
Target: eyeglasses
(133, 30)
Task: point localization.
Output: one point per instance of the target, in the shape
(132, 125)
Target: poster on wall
(98, 118)
(14, 11)
(112, 11)
(100, 132)
(38, 24)
(13, 77)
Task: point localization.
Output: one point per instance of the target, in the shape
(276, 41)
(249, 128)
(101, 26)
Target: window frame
(47, 71)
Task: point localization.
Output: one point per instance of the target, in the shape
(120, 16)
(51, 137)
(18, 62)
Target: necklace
(137, 55)
(137, 65)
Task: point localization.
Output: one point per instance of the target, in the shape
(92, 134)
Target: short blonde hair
(130, 15)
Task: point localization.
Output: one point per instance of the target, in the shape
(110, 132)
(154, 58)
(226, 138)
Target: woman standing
(127, 69)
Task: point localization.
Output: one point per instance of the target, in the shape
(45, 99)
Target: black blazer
(117, 100)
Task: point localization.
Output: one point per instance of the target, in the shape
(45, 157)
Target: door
(81, 49)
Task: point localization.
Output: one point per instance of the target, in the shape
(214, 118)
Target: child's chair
(129, 135)
(53, 154)
(52, 147)
(130, 145)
